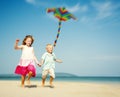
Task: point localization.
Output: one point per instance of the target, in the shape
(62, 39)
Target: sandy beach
(61, 89)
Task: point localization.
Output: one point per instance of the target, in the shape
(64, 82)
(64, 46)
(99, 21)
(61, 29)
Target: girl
(27, 60)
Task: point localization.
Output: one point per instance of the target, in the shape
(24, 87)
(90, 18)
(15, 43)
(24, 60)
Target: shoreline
(71, 79)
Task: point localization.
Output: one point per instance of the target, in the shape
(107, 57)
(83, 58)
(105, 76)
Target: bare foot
(22, 85)
(28, 82)
(51, 85)
(42, 85)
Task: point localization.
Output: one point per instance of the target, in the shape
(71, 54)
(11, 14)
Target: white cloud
(31, 1)
(77, 8)
(84, 19)
(106, 11)
(51, 16)
(74, 8)
(38, 3)
(83, 8)
(103, 10)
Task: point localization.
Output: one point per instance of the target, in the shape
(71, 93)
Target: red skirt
(24, 70)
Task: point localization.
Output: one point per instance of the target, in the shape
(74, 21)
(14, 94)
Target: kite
(62, 15)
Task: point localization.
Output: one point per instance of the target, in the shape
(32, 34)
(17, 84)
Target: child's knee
(30, 72)
(52, 77)
(44, 77)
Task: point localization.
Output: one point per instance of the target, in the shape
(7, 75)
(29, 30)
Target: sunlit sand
(61, 89)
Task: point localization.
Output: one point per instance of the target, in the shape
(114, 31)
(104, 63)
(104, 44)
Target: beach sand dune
(61, 89)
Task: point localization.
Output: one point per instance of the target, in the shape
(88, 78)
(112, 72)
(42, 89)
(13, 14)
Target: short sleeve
(43, 56)
(54, 56)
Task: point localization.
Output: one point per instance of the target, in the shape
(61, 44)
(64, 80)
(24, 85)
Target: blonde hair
(28, 36)
(48, 45)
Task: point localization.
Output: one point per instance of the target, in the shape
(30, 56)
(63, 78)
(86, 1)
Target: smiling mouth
(28, 44)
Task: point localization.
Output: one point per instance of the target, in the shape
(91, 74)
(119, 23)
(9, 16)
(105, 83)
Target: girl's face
(28, 41)
(49, 49)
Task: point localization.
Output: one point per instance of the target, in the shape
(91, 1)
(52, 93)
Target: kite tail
(57, 33)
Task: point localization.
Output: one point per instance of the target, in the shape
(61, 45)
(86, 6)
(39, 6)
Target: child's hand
(59, 61)
(17, 40)
(39, 65)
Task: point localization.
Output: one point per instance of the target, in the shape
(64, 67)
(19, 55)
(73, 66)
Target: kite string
(60, 21)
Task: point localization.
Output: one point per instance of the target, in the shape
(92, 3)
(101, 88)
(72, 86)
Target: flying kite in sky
(62, 15)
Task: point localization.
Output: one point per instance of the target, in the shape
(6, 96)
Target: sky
(88, 46)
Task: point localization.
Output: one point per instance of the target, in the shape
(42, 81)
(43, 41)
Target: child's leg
(31, 72)
(44, 75)
(51, 81)
(22, 80)
(43, 80)
(52, 76)
(29, 76)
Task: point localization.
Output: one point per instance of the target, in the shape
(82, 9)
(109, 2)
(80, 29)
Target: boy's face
(49, 48)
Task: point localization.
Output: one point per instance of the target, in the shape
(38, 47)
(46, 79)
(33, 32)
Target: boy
(48, 61)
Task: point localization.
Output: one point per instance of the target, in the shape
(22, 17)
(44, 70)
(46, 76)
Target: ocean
(66, 77)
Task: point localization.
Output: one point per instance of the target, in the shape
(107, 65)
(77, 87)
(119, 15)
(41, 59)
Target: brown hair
(28, 36)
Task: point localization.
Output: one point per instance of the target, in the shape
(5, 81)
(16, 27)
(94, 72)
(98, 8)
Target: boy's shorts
(48, 71)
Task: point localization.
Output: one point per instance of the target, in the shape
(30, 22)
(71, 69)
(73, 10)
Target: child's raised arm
(16, 45)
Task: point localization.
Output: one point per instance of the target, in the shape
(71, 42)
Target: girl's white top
(27, 53)
(27, 57)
